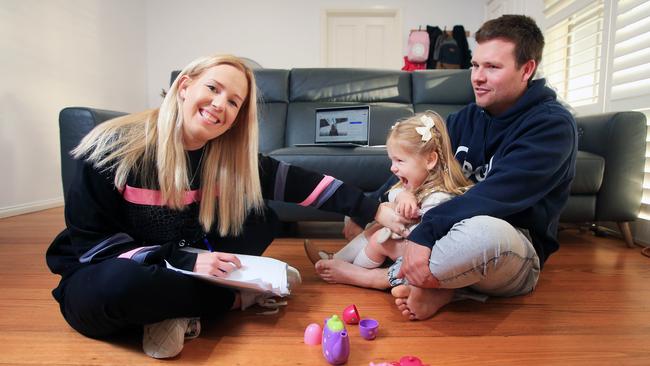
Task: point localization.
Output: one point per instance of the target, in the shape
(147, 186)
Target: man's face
(497, 81)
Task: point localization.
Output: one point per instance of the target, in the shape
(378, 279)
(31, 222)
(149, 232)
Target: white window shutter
(629, 86)
(572, 57)
(597, 57)
(630, 78)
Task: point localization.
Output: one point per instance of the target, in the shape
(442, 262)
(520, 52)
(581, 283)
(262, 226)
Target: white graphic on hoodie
(479, 173)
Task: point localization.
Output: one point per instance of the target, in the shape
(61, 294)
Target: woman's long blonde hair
(150, 144)
(446, 176)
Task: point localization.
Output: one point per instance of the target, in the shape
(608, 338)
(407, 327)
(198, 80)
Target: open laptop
(345, 126)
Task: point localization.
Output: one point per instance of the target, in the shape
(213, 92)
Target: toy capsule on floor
(351, 315)
(404, 361)
(336, 343)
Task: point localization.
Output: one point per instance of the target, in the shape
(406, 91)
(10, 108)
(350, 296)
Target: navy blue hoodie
(522, 161)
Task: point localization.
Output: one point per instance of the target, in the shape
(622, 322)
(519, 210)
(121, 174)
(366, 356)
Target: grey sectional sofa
(609, 172)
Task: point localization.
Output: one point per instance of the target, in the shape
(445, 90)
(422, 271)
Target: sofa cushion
(350, 85)
(427, 87)
(272, 84)
(579, 208)
(74, 124)
(590, 169)
(273, 96)
(620, 138)
(271, 121)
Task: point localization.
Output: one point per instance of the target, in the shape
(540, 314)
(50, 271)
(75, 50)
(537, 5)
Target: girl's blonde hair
(447, 175)
(150, 144)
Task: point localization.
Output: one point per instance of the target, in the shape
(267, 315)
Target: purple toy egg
(368, 328)
(313, 334)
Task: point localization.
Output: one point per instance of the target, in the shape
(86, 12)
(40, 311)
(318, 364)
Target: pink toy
(410, 361)
(368, 328)
(336, 343)
(404, 361)
(351, 315)
(313, 334)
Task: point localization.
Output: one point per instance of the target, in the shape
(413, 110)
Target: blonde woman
(427, 175)
(187, 174)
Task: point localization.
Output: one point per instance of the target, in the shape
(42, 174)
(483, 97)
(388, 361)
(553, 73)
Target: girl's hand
(386, 216)
(406, 205)
(216, 263)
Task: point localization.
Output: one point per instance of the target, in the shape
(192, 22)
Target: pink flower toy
(404, 361)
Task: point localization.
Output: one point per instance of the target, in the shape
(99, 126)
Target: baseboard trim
(30, 207)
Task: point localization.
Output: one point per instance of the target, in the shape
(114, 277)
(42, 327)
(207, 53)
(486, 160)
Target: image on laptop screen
(342, 125)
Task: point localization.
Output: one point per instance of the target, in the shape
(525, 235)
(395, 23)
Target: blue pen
(207, 244)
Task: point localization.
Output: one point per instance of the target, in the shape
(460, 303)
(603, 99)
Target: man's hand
(216, 264)
(351, 229)
(386, 216)
(415, 266)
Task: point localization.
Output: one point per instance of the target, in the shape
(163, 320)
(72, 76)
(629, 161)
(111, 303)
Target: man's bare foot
(418, 303)
(338, 271)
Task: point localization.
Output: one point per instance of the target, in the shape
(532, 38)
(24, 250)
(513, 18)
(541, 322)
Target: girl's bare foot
(417, 303)
(338, 271)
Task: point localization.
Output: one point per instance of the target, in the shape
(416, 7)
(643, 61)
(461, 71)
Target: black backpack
(450, 56)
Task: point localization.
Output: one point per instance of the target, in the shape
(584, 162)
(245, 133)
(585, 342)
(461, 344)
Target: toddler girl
(423, 161)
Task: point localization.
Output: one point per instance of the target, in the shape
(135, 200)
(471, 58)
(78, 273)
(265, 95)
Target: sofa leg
(624, 227)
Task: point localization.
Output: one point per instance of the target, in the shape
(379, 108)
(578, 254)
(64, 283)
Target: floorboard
(591, 307)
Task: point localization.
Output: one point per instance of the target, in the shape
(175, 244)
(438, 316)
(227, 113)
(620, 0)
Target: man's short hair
(519, 29)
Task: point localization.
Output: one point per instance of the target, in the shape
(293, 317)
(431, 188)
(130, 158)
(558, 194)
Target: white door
(362, 38)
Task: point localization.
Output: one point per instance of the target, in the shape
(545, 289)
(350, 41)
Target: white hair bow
(425, 131)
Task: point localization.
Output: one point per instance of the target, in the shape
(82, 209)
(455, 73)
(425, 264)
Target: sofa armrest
(619, 138)
(74, 124)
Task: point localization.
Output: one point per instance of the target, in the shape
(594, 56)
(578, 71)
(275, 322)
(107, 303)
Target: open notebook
(261, 274)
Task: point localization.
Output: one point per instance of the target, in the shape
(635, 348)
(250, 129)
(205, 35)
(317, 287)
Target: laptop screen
(342, 124)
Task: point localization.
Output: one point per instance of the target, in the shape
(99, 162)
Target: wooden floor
(591, 307)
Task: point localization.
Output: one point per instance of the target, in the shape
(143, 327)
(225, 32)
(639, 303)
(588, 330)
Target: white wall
(532, 8)
(277, 34)
(55, 54)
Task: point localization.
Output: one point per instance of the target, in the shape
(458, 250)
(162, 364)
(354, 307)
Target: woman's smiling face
(210, 103)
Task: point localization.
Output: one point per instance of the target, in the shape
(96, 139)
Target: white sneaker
(165, 339)
(293, 278)
(262, 299)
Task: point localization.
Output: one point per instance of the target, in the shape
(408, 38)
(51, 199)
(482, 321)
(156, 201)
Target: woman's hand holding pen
(216, 263)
